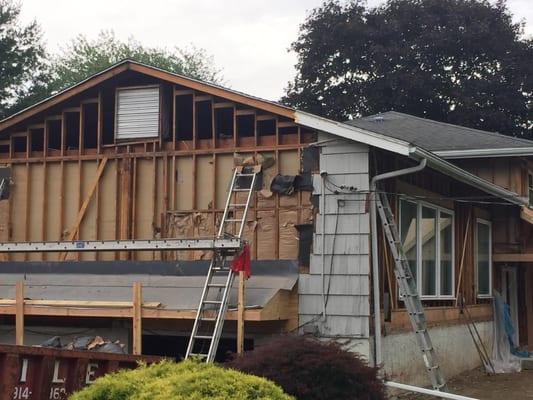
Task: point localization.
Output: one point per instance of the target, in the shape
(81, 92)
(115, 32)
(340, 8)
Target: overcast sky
(248, 39)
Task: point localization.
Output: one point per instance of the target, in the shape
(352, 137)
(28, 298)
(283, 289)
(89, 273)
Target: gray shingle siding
(347, 269)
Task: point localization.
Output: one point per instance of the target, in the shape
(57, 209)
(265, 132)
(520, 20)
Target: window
(137, 114)
(426, 232)
(483, 258)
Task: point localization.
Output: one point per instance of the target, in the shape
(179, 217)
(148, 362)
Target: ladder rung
(245, 174)
(233, 220)
(218, 285)
(237, 205)
(208, 319)
(198, 355)
(212, 302)
(203, 337)
(242, 189)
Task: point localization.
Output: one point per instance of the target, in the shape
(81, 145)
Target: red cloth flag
(242, 262)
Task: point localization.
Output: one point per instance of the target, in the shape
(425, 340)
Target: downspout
(375, 262)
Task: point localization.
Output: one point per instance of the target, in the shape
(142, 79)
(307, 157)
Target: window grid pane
(409, 232)
(446, 254)
(429, 254)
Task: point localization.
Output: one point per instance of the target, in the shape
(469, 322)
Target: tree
(187, 380)
(22, 65)
(312, 370)
(457, 61)
(84, 57)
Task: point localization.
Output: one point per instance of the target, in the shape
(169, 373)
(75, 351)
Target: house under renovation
(138, 154)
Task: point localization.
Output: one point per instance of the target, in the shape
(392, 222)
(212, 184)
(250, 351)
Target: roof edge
(466, 177)
(352, 133)
(480, 153)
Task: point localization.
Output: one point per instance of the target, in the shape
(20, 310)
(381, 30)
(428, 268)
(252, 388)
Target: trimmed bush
(187, 380)
(312, 370)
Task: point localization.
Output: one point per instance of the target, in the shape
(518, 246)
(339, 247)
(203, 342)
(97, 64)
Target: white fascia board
(460, 174)
(479, 153)
(352, 133)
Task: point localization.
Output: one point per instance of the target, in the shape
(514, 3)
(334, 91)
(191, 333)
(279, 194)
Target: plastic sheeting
(502, 358)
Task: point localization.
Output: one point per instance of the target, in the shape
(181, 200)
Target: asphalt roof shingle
(436, 136)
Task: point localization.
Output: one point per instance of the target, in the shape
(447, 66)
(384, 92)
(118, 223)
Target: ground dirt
(479, 385)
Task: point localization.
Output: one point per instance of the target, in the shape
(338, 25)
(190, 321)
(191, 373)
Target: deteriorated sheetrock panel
(288, 236)
(266, 235)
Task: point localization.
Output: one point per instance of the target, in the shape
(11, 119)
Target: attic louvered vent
(137, 112)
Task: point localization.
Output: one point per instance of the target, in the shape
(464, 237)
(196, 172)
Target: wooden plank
(81, 212)
(79, 303)
(137, 319)
(513, 257)
(19, 313)
(215, 91)
(240, 314)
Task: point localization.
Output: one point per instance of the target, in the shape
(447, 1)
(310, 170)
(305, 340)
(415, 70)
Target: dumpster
(40, 373)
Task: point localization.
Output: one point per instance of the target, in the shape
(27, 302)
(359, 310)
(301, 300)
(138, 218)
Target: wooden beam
(513, 257)
(137, 320)
(81, 213)
(240, 314)
(19, 313)
(79, 303)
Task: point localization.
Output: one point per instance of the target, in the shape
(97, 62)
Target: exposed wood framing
(81, 213)
(137, 321)
(240, 313)
(19, 313)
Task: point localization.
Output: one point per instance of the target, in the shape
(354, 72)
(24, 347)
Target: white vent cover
(137, 113)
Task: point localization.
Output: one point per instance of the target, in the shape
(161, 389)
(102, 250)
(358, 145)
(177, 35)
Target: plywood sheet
(183, 177)
(107, 209)
(88, 223)
(144, 204)
(224, 171)
(36, 211)
(204, 182)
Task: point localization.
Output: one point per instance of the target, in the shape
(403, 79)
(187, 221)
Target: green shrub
(187, 380)
(312, 370)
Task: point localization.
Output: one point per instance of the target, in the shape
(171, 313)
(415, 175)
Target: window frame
(438, 209)
(476, 257)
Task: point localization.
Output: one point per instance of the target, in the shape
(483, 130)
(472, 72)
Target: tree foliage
(83, 57)
(187, 380)
(458, 61)
(312, 370)
(21, 56)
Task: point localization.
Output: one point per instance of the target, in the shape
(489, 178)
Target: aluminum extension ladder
(211, 312)
(409, 293)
